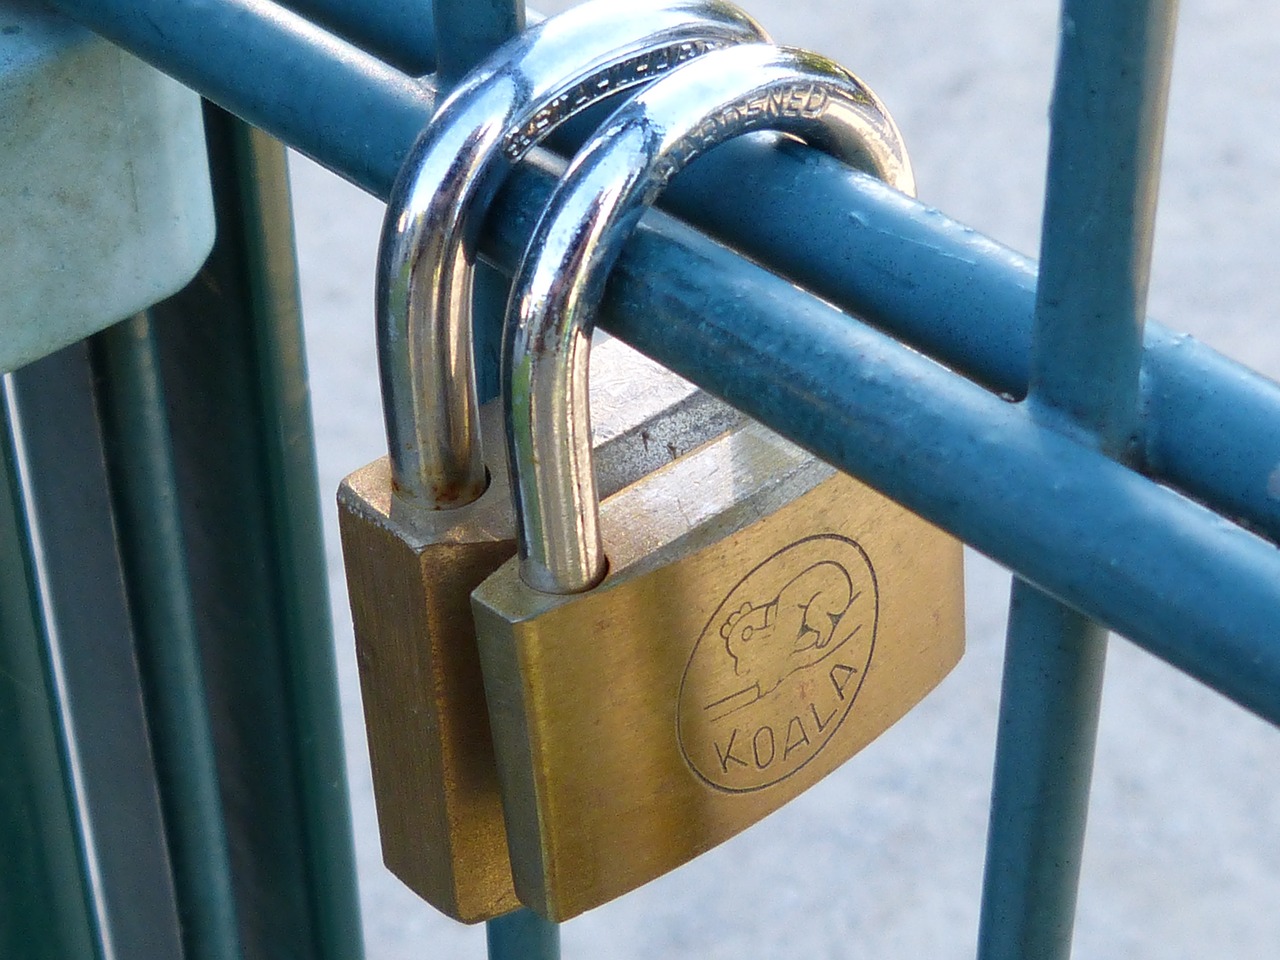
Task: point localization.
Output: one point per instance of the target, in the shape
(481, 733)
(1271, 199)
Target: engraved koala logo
(794, 629)
(779, 662)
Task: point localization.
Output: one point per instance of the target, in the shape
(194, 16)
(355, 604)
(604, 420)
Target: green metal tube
(299, 581)
(144, 491)
(85, 600)
(45, 898)
(231, 354)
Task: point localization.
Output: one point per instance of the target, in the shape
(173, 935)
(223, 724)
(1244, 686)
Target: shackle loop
(426, 254)
(560, 281)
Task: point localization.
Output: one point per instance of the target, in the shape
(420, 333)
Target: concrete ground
(884, 858)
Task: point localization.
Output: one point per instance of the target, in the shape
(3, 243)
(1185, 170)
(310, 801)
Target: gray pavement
(884, 858)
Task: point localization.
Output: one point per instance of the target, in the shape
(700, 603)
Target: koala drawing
(793, 630)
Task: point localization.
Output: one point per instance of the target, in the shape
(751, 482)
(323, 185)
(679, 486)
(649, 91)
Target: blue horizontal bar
(1211, 426)
(941, 445)
(951, 293)
(400, 32)
(279, 71)
(1088, 531)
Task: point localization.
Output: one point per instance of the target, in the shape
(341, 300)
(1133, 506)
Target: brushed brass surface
(439, 813)
(409, 576)
(763, 619)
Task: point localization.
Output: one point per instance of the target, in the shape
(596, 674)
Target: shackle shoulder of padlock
(420, 528)
(750, 617)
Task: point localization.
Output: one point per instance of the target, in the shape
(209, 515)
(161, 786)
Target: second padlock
(749, 618)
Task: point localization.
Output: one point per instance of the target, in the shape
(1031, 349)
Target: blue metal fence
(1026, 407)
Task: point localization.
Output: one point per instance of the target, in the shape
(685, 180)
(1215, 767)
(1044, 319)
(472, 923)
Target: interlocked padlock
(423, 526)
(759, 618)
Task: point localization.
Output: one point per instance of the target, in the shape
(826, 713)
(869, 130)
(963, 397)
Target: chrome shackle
(592, 212)
(427, 250)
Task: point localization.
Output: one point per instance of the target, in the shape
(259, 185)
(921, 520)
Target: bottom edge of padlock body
(470, 897)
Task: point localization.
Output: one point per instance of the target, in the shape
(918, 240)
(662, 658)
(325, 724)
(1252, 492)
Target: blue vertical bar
(1107, 127)
(1044, 762)
(1104, 168)
(466, 32)
(522, 935)
(401, 33)
(259, 330)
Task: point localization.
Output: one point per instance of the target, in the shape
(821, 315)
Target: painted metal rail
(358, 116)
(1027, 408)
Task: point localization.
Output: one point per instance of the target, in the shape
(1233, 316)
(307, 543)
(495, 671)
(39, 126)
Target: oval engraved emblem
(779, 664)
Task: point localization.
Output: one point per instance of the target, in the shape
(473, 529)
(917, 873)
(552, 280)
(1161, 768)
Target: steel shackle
(592, 212)
(427, 252)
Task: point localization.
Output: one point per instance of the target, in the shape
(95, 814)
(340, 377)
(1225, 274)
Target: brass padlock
(759, 618)
(423, 526)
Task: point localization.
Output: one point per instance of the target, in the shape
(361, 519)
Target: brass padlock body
(638, 725)
(431, 755)
(409, 575)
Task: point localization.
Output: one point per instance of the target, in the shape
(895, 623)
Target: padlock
(751, 617)
(420, 528)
